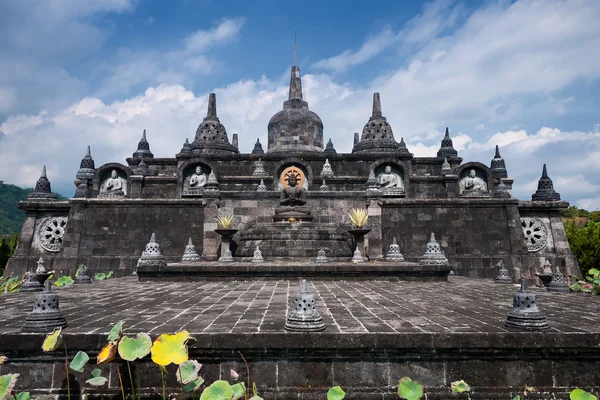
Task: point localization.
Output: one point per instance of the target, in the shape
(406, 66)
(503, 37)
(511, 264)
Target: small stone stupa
(321, 256)
(212, 184)
(257, 258)
(446, 168)
(261, 186)
(143, 148)
(447, 149)
(82, 275)
(329, 148)
(393, 253)
(43, 190)
(304, 316)
(259, 169)
(525, 313)
(152, 256)
(503, 276)
(433, 253)
(545, 190)
(324, 187)
(46, 315)
(558, 282)
(190, 254)
(31, 284)
(327, 171)
(258, 149)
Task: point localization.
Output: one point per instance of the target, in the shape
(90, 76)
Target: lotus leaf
(100, 276)
(116, 332)
(193, 386)
(109, 275)
(53, 340)
(256, 398)
(579, 394)
(64, 281)
(459, 387)
(188, 371)
(23, 396)
(171, 348)
(79, 361)
(239, 390)
(97, 379)
(107, 354)
(131, 349)
(7, 383)
(335, 393)
(517, 397)
(219, 390)
(409, 389)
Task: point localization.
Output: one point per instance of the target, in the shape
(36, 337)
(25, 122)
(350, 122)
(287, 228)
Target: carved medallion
(536, 234)
(51, 233)
(301, 179)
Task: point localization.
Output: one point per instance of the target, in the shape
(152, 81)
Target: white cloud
(202, 40)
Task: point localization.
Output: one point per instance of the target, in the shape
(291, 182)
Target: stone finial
(433, 253)
(503, 276)
(211, 112)
(321, 256)
(377, 135)
(46, 315)
(258, 148)
(372, 183)
(402, 148)
(295, 84)
(31, 284)
(545, 191)
(356, 138)
(152, 256)
(259, 169)
(357, 256)
(376, 106)
(211, 135)
(190, 254)
(143, 149)
(82, 275)
(447, 149)
(43, 190)
(86, 167)
(40, 269)
(446, 167)
(261, 186)
(257, 258)
(547, 268)
(235, 141)
(525, 313)
(329, 148)
(393, 253)
(558, 282)
(498, 166)
(82, 191)
(327, 171)
(304, 316)
(142, 169)
(212, 184)
(186, 150)
(324, 187)
(501, 191)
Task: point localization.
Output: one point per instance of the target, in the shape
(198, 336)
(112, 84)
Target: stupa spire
(143, 148)
(376, 105)
(212, 106)
(295, 84)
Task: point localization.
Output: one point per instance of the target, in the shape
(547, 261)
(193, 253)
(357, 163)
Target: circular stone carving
(51, 233)
(536, 234)
(300, 178)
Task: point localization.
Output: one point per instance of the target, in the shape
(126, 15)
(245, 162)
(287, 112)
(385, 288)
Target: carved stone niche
(195, 177)
(390, 178)
(473, 182)
(113, 183)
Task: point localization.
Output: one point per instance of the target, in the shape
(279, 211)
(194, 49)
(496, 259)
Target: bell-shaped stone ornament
(503, 276)
(558, 282)
(82, 275)
(152, 256)
(327, 171)
(324, 187)
(393, 253)
(257, 258)
(433, 253)
(525, 313)
(46, 315)
(212, 184)
(372, 183)
(31, 284)
(259, 169)
(357, 256)
(304, 316)
(190, 254)
(261, 186)
(321, 256)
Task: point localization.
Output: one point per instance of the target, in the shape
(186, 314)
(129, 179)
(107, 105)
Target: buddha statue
(115, 185)
(472, 185)
(198, 179)
(293, 200)
(391, 183)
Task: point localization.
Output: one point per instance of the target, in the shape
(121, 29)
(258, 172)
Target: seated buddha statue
(292, 200)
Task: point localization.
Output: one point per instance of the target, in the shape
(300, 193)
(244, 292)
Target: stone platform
(376, 332)
(282, 269)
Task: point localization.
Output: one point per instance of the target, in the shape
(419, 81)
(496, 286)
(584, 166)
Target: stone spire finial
(327, 170)
(190, 254)
(402, 148)
(545, 191)
(376, 106)
(295, 84)
(259, 169)
(261, 186)
(211, 135)
(212, 107)
(433, 253)
(46, 315)
(143, 149)
(329, 147)
(447, 149)
(43, 190)
(85, 174)
(304, 316)
(377, 135)
(186, 149)
(446, 167)
(212, 184)
(258, 147)
(525, 313)
(498, 166)
(356, 138)
(235, 141)
(152, 256)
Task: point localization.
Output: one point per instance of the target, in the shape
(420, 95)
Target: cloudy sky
(521, 74)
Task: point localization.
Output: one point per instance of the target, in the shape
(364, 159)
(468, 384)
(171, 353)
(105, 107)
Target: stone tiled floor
(460, 305)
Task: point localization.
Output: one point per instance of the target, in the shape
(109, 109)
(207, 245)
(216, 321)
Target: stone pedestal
(226, 235)
(359, 238)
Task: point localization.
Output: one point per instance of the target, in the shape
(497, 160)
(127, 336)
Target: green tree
(8, 243)
(585, 244)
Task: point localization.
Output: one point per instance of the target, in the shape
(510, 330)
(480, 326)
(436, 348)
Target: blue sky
(521, 74)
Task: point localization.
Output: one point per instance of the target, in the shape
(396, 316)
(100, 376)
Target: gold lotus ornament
(224, 221)
(359, 217)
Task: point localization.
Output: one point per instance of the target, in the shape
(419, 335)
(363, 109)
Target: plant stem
(121, 381)
(162, 375)
(138, 385)
(248, 371)
(85, 390)
(131, 381)
(181, 381)
(67, 370)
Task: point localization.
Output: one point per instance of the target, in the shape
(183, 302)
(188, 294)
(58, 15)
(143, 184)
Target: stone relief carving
(51, 233)
(113, 186)
(473, 184)
(536, 234)
(196, 180)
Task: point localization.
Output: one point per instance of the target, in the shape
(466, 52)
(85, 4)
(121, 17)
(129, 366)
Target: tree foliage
(8, 243)
(585, 244)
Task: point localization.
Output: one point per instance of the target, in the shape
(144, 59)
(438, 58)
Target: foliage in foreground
(585, 244)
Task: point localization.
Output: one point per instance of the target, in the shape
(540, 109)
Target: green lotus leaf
(336, 393)
(409, 389)
(460, 387)
(7, 383)
(109, 275)
(188, 371)
(193, 386)
(219, 390)
(256, 398)
(23, 396)
(580, 394)
(239, 390)
(116, 332)
(517, 397)
(53, 340)
(97, 379)
(100, 276)
(79, 361)
(64, 281)
(131, 349)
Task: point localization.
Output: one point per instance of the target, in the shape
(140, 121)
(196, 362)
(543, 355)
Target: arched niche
(112, 180)
(397, 172)
(193, 174)
(474, 180)
(292, 165)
